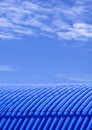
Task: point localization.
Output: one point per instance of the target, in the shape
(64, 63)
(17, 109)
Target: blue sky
(45, 41)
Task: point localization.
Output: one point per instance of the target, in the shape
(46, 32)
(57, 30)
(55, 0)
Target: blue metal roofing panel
(51, 107)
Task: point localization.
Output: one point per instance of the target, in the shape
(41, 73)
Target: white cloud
(51, 18)
(75, 77)
(7, 68)
(78, 31)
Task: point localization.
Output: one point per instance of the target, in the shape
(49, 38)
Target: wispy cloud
(75, 77)
(71, 20)
(7, 68)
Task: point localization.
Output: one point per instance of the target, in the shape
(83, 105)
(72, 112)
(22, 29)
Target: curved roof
(46, 107)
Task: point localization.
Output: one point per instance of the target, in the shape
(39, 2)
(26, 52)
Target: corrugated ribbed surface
(46, 107)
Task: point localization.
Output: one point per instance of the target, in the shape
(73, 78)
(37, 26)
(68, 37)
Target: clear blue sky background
(45, 42)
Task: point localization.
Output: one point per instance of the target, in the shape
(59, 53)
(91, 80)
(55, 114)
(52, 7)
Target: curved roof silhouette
(46, 107)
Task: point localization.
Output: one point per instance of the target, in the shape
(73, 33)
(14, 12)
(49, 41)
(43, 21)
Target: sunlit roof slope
(46, 107)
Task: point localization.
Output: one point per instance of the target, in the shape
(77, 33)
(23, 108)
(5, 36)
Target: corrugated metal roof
(56, 107)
